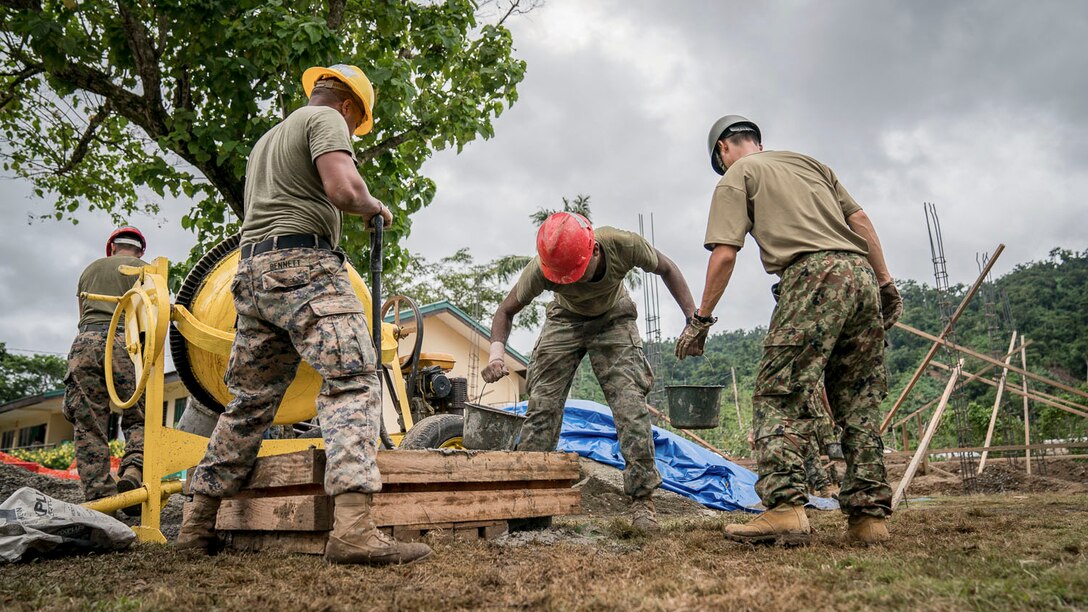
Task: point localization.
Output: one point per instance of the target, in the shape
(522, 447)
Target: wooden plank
(923, 444)
(292, 513)
(421, 466)
(298, 542)
(997, 403)
(463, 506)
(947, 329)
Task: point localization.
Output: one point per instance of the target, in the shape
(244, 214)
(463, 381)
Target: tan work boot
(786, 525)
(355, 538)
(198, 524)
(131, 478)
(643, 515)
(867, 530)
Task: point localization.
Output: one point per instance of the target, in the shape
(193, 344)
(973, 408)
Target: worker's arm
(346, 188)
(718, 272)
(863, 226)
(80, 298)
(500, 333)
(891, 303)
(676, 284)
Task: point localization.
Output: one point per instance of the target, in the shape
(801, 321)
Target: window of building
(7, 440)
(179, 409)
(29, 436)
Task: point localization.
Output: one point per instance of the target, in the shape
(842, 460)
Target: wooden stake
(988, 359)
(1027, 418)
(997, 404)
(923, 444)
(736, 397)
(947, 329)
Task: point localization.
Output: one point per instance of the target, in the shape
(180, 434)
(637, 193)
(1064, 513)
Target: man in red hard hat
(86, 400)
(591, 313)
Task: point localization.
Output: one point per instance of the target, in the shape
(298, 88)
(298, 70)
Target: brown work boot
(355, 538)
(198, 524)
(783, 524)
(867, 530)
(131, 478)
(643, 515)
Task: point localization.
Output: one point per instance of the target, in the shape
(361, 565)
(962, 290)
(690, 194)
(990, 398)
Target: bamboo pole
(968, 378)
(736, 397)
(947, 329)
(1027, 418)
(997, 404)
(923, 444)
(988, 359)
(1018, 393)
(997, 449)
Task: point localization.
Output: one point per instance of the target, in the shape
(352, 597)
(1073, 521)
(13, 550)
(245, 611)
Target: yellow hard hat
(354, 79)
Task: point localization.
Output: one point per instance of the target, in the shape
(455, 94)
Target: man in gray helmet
(837, 299)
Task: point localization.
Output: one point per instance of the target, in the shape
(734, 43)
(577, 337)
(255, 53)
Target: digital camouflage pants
(87, 408)
(615, 352)
(827, 323)
(818, 431)
(296, 304)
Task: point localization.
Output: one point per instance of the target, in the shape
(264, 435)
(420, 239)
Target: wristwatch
(704, 320)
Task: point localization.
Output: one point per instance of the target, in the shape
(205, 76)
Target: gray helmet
(731, 124)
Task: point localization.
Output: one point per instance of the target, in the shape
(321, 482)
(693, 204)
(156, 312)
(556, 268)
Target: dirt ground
(1025, 548)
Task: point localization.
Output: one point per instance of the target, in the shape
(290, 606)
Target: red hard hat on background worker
(565, 246)
(126, 235)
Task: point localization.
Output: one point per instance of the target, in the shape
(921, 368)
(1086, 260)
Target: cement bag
(32, 524)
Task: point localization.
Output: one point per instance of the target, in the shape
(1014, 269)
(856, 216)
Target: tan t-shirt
(790, 203)
(103, 278)
(284, 194)
(623, 251)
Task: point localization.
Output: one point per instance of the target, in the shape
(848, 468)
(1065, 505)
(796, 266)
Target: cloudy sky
(978, 107)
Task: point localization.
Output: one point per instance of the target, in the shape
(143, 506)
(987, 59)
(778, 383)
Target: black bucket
(694, 406)
(490, 428)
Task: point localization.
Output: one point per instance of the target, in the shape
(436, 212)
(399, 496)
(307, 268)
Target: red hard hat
(565, 246)
(126, 231)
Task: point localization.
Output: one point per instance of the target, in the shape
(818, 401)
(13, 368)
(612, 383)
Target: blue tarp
(686, 468)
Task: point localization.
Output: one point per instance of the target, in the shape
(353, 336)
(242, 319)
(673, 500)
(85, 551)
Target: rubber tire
(434, 431)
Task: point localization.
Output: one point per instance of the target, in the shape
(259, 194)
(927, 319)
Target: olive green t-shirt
(622, 252)
(103, 278)
(790, 203)
(284, 194)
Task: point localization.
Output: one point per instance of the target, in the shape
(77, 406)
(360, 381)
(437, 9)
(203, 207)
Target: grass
(1008, 552)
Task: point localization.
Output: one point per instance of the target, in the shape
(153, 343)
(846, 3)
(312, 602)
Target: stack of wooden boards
(466, 494)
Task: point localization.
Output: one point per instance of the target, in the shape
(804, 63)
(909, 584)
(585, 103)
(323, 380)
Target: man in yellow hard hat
(295, 302)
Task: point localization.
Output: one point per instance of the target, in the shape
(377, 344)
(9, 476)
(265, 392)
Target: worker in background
(837, 298)
(591, 313)
(86, 400)
(295, 302)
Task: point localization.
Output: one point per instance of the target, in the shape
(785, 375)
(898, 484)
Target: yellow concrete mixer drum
(206, 294)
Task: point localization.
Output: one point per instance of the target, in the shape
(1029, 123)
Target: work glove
(691, 340)
(891, 304)
(494, 371)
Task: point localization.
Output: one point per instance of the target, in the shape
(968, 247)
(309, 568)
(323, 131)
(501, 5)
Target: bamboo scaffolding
(923, 444)
(947, 329)
(997, 403)
(1027, 418)
(1018, 393)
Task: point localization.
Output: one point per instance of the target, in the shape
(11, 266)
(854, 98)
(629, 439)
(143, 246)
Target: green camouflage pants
(87, 408)
(827, 323)
(816, 428)
(297, 304)
(615, 352)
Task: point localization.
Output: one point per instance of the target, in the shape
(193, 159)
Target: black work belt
(99, 327)
(290, 241)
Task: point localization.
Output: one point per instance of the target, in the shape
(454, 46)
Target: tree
(22, 375)
(103, 103)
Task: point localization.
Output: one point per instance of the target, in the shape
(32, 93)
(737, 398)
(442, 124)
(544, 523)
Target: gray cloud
(975, 106)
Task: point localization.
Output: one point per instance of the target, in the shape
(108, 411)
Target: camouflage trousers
(296, 304)
(615, 352)
(87, 408)
(818, 433)
(827, 323)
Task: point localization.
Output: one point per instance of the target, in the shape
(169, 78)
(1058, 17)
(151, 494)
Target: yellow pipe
(114, 503)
